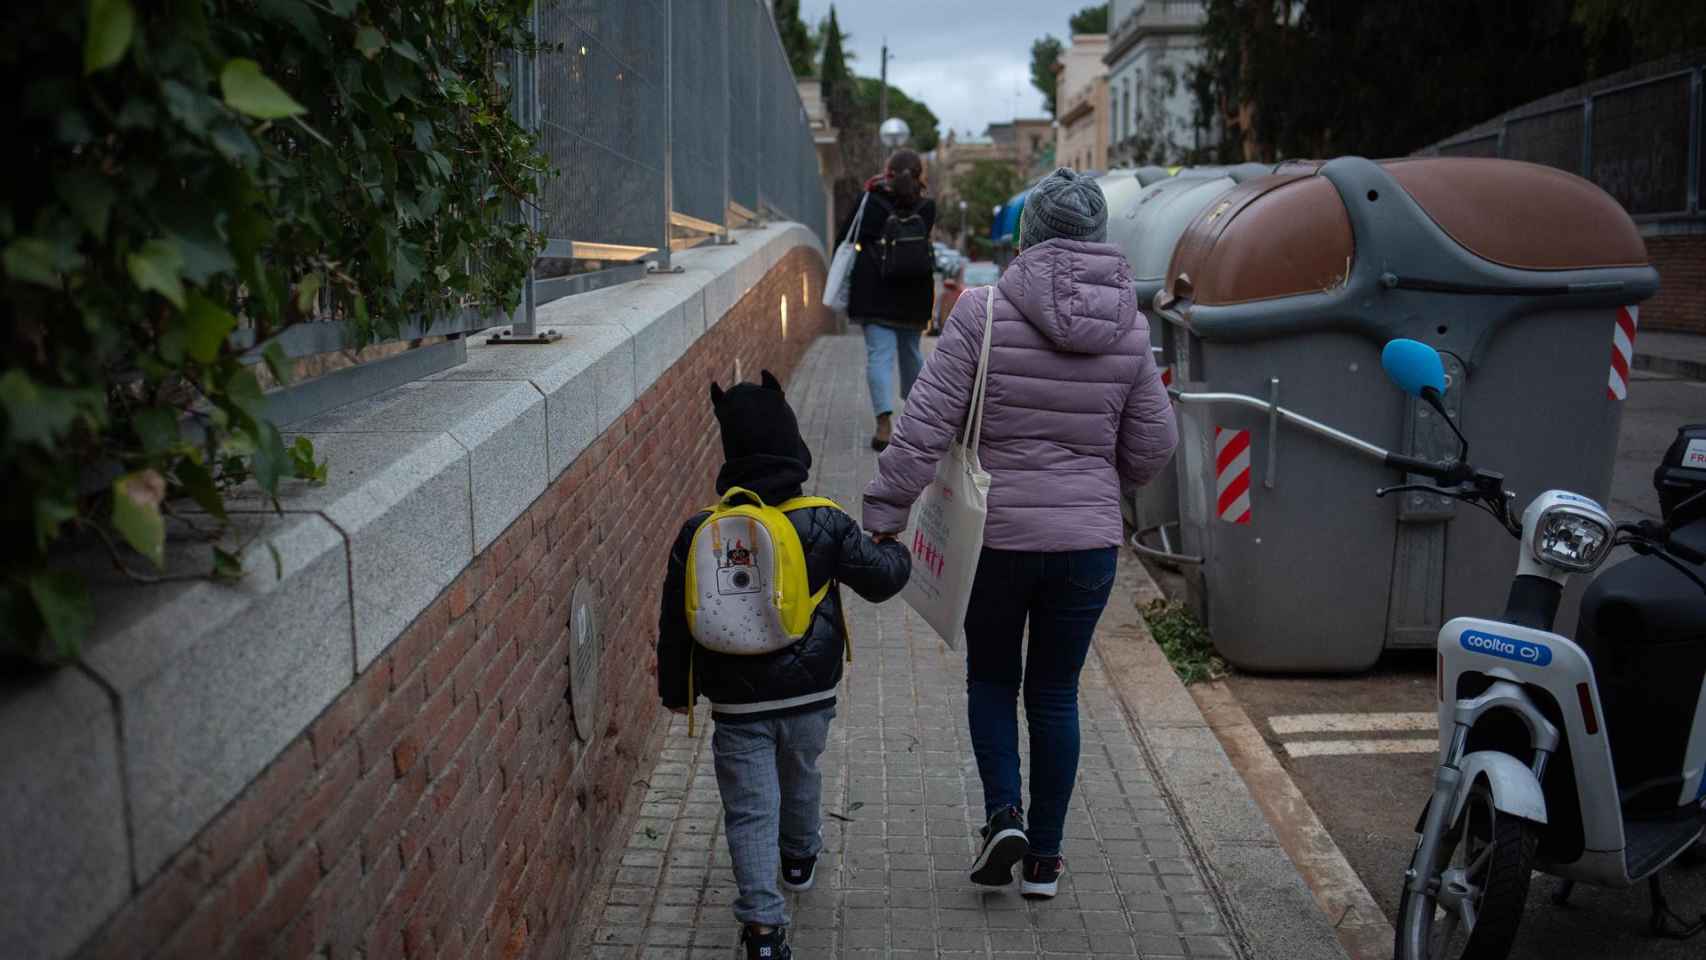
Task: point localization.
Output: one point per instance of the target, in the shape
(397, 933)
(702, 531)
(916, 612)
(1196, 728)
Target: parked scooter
(1584, 758)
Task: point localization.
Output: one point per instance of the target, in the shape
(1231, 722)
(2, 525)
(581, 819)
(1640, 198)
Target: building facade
(1152, 48)
(1028, 143)
(1081, 104)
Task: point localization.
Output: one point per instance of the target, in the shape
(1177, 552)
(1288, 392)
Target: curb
(1674, 366)
(1361, 927)
(1271, 911)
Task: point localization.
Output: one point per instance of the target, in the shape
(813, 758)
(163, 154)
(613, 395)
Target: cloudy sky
(968, 60)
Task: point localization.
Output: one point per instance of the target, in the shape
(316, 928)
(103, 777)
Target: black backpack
(904, 252)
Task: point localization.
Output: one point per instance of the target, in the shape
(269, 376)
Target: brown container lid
(1522, 215)
(1288, 234)
(1273, 236)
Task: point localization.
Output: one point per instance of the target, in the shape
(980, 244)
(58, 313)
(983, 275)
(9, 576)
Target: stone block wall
(443, 805)
(1680, 304)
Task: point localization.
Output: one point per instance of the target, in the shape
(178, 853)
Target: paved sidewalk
(903, 800)
(1676, 354)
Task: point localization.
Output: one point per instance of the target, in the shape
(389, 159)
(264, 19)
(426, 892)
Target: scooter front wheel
(1470, 909)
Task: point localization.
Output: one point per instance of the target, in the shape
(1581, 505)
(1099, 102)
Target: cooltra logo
(1493, 645)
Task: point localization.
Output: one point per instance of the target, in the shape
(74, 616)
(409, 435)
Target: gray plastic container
(1145, 222)
(1286, 290)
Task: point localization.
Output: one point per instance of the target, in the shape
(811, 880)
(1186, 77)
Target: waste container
(1145, 222)
(1285, 289)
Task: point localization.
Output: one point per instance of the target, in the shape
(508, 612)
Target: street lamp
(962, 226)
(894, 132)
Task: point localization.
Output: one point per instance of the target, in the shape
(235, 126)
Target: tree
(796, 39)
(1158, 136)
(919, 118)
(837, 80)
(1045, 53)
(1093, 19)
(1323, 77)
(1625, 32)
(987, 185)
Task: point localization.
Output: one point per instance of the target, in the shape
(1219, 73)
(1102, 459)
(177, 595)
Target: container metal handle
(1278, 413)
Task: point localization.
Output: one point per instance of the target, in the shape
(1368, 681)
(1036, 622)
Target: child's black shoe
(798, 874)
(766, 946)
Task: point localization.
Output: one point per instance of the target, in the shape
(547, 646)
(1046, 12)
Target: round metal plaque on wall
(585, 648)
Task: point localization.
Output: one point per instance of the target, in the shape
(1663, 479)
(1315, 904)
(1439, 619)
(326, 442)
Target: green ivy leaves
(136, 513)
(156, 266)
(247, 90)
(111, 24)
(178, 214)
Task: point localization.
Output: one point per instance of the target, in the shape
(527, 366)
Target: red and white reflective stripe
(1232, 474)
(1166, 376)
(1622, 351)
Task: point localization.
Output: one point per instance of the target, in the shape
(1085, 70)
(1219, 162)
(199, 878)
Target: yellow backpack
(747, 591)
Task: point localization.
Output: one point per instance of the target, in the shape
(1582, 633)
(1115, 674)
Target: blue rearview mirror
(1413, 366)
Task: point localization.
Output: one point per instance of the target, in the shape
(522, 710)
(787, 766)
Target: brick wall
(443, 805)
(1680, 304)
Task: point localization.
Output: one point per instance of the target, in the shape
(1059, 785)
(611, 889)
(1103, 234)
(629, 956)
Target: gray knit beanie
(1066, 204)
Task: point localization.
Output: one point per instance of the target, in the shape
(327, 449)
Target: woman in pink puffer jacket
(1075, 405)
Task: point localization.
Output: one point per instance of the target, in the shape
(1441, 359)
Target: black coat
(900, 303)
(836, 550)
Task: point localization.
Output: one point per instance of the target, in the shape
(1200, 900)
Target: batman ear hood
(716, 394)
(768, 380)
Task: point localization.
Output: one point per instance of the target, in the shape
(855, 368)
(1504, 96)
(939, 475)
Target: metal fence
(670, 121)
(1641, 142)
(667, 122)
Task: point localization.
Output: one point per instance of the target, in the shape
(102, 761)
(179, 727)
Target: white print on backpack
(737, 612)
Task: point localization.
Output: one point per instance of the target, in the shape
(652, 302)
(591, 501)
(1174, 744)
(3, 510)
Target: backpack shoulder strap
(801, 503)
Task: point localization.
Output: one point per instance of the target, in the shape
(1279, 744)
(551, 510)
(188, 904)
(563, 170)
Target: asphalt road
(1368, 783)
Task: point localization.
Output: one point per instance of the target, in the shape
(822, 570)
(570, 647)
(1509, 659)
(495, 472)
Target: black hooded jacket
(894, 303)
(764, 453)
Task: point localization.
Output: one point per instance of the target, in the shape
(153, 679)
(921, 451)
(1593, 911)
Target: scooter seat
(1643, 626)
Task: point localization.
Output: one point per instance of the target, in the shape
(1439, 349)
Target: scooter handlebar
(1427, 468)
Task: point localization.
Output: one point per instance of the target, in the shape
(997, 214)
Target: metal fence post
(728, 111)
(668, 132)
(1694, 135)
(525, 329)
(1587, 137)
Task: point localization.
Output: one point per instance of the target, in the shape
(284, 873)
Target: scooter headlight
(1570, 538)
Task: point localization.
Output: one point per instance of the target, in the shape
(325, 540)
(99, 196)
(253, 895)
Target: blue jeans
(881, 345)
(1062, 594)
(772, 803)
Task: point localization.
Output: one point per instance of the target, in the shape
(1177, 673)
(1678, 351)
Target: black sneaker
(797, 875)
(1004, 845)
(1040, 876)
(766, 946)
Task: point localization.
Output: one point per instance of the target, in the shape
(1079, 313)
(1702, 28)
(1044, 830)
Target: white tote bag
(838, 285)
(946, 529)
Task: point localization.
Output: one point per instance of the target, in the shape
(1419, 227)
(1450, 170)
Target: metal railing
(671, 121)
(667, 123)
(1640, 142)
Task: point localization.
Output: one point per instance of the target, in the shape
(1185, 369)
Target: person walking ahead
(1074, 405)
(894, 286)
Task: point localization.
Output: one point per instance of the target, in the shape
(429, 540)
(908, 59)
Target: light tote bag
(838, 285)
(946, 529)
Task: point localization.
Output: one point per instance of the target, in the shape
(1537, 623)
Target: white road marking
(1349, 748)
(1353, 722)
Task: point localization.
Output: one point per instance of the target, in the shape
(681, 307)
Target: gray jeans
(772, 803)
